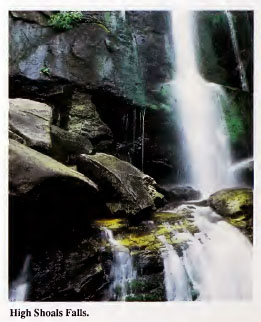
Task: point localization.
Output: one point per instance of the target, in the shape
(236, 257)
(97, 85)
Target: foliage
(45, 71)
(65, 20)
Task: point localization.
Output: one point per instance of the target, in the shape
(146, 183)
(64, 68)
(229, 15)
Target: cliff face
(90, 107)
(120, 64)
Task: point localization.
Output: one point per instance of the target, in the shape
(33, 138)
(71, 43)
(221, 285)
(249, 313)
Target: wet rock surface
(236, 205)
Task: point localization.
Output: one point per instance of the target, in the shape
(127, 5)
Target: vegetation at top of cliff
(65, 20)
(45, 71)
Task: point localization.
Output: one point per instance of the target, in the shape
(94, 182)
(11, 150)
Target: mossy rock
(236, 205)
(232, 202)
(113, 224)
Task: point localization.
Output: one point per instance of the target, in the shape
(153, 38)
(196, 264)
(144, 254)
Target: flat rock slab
(31, 120)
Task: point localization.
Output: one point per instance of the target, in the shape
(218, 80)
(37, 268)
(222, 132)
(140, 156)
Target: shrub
(45, 71)
(65, 20)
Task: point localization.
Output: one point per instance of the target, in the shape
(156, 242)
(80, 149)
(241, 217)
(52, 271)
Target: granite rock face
(128, 191)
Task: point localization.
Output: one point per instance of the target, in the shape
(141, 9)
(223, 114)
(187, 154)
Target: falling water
(122, 271)
(241, 164)
(200, 110)
(241, 68)
(143, 112)
(20, 287)
(218, 259)
(216, 262)
(134, 128)
(175, 278)
(123, 14)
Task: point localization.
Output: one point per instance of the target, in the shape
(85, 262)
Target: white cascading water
(175, 278)
(241, 68)
(20, 287)
(200, 111)
(217, 261)
(122, 271)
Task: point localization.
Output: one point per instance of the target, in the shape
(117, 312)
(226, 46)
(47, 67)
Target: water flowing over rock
(207, 151)
(100, 110)
(20, 287)
(127, 189)
(176, 282)
(241, 68)
(236, 205)
(122, 271)
(219, 259)
(244, 172)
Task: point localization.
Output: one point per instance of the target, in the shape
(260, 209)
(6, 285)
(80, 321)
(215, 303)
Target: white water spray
(218, 259)
(122, 271)
(200, 110)
(216, 265)
(175, 278)
(241, 68)
(20, 287)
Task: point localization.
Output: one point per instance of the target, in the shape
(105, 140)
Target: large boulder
(236, 205)
(29, 168)
(179, 192)
(30, 121)
(127, 190)
(48, 203)
(66, 144)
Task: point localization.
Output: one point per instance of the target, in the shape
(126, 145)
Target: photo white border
(116, 311)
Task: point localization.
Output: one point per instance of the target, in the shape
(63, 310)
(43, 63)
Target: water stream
(217, 262)
(175, 277)
(122, 271)
(20, 287)
(143, 113)
(243, 78)
(200, 111)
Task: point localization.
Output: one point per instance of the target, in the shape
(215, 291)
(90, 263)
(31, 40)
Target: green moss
(145, 241)
(102, 26)
(234, 201)
(166, 216)
(112, 224)
(239, 222)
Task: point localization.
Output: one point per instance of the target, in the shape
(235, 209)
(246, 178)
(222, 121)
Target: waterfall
(122, 271)
(217, 262)
(175, 278)
(219, 259)
(123, 14)
(207, 155)
(134, 128)
(143, 112)
(20, 287)
(241, 68)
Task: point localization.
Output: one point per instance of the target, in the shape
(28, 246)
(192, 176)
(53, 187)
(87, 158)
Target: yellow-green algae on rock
(112, 224)
(141, 238)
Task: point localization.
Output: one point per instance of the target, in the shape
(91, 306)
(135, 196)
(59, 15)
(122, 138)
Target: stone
(236, 206)
(85, 120)
(30, 120)
(179, 192)
(127, 190)
(67, 144)
(28, 169)
(39, 17)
